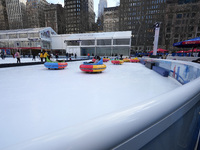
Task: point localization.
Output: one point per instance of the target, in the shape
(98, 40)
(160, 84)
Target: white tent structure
(27, 39)
(103, 44)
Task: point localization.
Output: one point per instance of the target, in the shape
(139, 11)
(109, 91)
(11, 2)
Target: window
(104, 42)
(33, 35)
(23, 35)
(121, 41)
(88, 42)
(179, 16)
(3, 36)
(73, 43)
(12, 36)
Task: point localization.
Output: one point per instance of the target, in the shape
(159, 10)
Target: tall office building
(80, 16)
(139, 16)
(3, 16)
(16, 11)
(100, 19)
(101, 6)
(55, 18)
(36, 13)
(182, 21)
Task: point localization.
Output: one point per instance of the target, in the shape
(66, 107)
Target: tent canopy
(188, 43)
(159, 50)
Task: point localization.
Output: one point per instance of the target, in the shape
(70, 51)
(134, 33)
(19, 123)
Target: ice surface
(36, 101)
(14, 60)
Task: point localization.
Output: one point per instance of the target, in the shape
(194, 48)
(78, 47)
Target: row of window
(20, 35)
(100, 42)
(186, 15)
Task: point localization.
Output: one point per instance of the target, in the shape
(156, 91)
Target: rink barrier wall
(168, 121)
(30, 63)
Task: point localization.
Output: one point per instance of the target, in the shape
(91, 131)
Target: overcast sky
(111, 3)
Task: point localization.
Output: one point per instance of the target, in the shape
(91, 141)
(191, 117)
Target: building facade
(36, 13)
(55, 18)
(111, 19)
(16, 11)
(182, 21)
(139, 17)
(3, 16)
(80, 16)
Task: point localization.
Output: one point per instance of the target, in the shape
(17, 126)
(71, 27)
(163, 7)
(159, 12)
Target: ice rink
(36, 101)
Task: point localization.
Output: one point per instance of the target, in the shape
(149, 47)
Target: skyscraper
(139, 17)
(101, 6)
(55, 18)
(79, 15)
(3, 16)
(182, 21)
(16, 10)
(36, 13)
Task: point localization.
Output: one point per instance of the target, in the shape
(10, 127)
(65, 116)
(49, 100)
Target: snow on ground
(36, 101)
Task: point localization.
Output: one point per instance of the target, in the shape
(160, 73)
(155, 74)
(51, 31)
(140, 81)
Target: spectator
(17, 55)
(33, 57)
(75, 55)
(41, 56)
(67, 56)
(45, 56)
(56, 56)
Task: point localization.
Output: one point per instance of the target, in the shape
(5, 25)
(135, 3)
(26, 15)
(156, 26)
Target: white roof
(101, 35)
(29, 30)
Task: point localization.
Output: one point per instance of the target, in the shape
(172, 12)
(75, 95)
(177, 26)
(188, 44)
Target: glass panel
(2, 44)
(3, 36)
(86, 50)
(73, 43)
(12, 36)
(25, 44)
(121, 50)
(32, 35)
(45, 45)
(23, 35)
(11, 44)
(104, 42)
(88, 42)
(103, 51)
(121, 41)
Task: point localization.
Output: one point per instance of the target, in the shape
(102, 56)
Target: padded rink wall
(170, 121)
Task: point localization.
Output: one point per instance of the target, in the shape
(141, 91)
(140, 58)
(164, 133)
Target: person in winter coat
(56, 56)
(41, 56)
(45, 56)
(17, 55)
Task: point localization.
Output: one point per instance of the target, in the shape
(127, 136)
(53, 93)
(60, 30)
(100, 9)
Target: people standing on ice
(13, 55)
(88, 55)
(41, 56)
(45, 56)
(33, 57)
(75, 55)
(56, 56)
(121, 55)
(17, 55)
(2, 54)
(67, 55)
